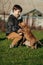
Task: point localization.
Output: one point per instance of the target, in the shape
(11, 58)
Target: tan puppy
(31, 40)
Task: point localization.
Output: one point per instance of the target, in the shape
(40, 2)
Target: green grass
(20, 55)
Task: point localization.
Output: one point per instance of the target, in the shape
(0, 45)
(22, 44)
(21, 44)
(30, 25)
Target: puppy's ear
(20, 24)
(23, 24)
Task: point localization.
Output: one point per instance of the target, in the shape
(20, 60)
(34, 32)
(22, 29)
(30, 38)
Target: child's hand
(20, 31)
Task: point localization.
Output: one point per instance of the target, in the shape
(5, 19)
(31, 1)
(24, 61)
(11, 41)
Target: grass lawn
(20, 55)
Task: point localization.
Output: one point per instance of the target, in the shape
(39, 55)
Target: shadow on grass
(1, 39)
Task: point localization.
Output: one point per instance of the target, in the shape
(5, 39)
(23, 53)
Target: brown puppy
(30, 38)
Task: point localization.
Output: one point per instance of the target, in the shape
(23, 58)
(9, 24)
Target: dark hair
(17, 7)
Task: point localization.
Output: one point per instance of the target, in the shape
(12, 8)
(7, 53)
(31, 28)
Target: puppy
(30, 38)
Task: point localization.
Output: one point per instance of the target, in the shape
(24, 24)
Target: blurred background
(32, 12)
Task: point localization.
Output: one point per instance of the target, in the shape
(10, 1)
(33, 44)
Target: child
(13, 27)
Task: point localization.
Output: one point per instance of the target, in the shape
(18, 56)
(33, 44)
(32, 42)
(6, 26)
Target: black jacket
(12, 25)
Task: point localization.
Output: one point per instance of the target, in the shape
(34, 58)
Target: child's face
(17, 13)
